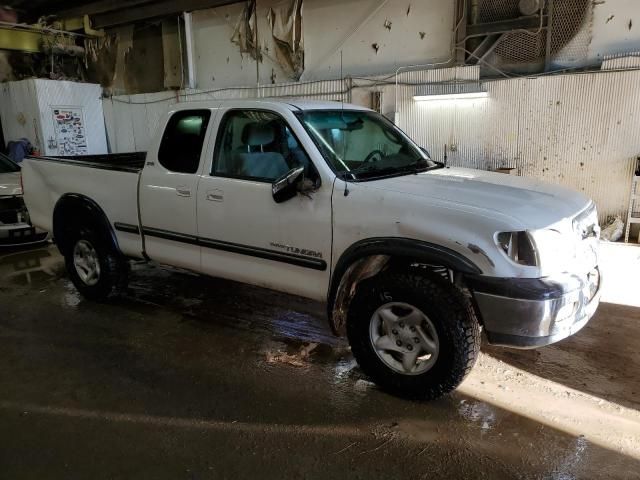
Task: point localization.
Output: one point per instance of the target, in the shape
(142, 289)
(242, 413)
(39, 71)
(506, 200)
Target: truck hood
(10, 184)
(532, 203)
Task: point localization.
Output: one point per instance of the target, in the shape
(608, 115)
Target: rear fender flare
(74, 211)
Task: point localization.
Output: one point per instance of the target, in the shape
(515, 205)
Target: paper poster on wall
(70, 132)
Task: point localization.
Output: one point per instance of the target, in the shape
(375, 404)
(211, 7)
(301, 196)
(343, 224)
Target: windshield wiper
(420, 165)
(370, 168)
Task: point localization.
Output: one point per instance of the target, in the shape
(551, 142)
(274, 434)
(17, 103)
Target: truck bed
(123, 162)
(111, 181)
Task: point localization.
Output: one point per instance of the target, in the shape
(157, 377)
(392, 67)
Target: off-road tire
(114, 268)
(451, 314)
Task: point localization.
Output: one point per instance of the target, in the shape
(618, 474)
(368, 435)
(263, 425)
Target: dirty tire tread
(114, 269)
(445, 305)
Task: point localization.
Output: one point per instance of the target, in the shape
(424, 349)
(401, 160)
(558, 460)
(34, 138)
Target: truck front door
(247, 236)
(168, 187)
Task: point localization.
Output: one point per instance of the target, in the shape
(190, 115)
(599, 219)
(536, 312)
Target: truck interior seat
(253, 160)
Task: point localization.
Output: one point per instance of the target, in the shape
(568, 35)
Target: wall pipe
(188, 34)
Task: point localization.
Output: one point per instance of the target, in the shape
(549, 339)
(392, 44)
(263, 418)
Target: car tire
(445, 323)
(110, 269)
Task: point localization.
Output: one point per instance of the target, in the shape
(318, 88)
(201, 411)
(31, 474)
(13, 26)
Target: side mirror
(286, 187)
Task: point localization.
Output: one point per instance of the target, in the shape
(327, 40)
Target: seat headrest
(255, 134)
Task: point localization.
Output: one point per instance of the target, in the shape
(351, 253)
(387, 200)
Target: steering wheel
(372, 155)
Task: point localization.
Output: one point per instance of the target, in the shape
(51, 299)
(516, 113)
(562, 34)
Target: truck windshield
(7, 166)
(363, 145)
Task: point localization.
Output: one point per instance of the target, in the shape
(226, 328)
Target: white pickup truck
(334, 203)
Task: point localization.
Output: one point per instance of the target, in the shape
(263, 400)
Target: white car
(15, 229)
(334, 203)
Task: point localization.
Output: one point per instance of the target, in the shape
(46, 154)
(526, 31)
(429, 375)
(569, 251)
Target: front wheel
(94, 268)
(416, 336)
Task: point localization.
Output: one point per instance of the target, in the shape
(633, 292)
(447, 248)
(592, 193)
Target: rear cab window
(181, 145)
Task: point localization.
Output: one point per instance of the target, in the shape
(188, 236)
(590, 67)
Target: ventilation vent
(568, 17)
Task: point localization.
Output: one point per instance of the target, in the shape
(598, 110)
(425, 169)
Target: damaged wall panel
(375, 36)
(100, 59)
(144, 62)
(285, 21)
(129, 59)
(224, 53)
(302, 39)
(245, 33)
(172, 53)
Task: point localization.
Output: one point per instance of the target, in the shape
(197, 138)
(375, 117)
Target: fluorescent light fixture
(451, 96)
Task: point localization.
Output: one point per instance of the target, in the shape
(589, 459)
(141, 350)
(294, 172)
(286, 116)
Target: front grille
(12, 210)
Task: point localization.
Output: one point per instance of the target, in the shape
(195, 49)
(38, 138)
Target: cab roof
(292, 104)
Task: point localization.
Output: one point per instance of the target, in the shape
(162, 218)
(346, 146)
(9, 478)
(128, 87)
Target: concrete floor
(196, 378)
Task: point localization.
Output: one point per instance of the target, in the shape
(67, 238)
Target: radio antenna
(342, 80)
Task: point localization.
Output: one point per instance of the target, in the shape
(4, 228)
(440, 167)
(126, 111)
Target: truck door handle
(183, 191)
(215, 195)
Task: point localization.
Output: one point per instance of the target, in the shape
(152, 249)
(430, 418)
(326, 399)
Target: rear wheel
(415, 335)
(95, 269)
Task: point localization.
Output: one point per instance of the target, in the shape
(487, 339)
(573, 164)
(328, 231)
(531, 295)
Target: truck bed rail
(123, 162)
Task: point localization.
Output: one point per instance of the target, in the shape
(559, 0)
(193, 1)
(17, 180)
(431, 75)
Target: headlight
(519, 247)
(586, 223)
(555, 250)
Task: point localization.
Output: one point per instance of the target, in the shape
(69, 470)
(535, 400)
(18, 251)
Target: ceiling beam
(31, 39)
(100, 6)
(105, 14)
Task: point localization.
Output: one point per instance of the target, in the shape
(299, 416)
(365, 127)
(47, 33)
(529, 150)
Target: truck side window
(182, 141)
(256, 145)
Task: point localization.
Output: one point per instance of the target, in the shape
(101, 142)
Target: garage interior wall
(374, 36)
(578, 130)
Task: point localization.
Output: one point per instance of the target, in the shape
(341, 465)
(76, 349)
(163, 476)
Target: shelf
(633, 207)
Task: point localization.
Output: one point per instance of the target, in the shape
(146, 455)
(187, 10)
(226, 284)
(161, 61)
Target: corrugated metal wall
(19, 111)
(85, 96)
(132, 120)
(579, 130)
(26, 108)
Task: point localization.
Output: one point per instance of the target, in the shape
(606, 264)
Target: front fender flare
(368, 257)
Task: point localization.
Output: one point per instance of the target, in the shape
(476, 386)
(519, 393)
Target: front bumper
(530, 313)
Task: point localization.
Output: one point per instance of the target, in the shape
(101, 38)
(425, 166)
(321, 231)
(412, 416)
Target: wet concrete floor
(185, 377)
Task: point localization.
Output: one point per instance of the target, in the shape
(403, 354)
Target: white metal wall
(26, 111)
(19, 112)
(87, 96)
(580, 130)
(132, 120)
